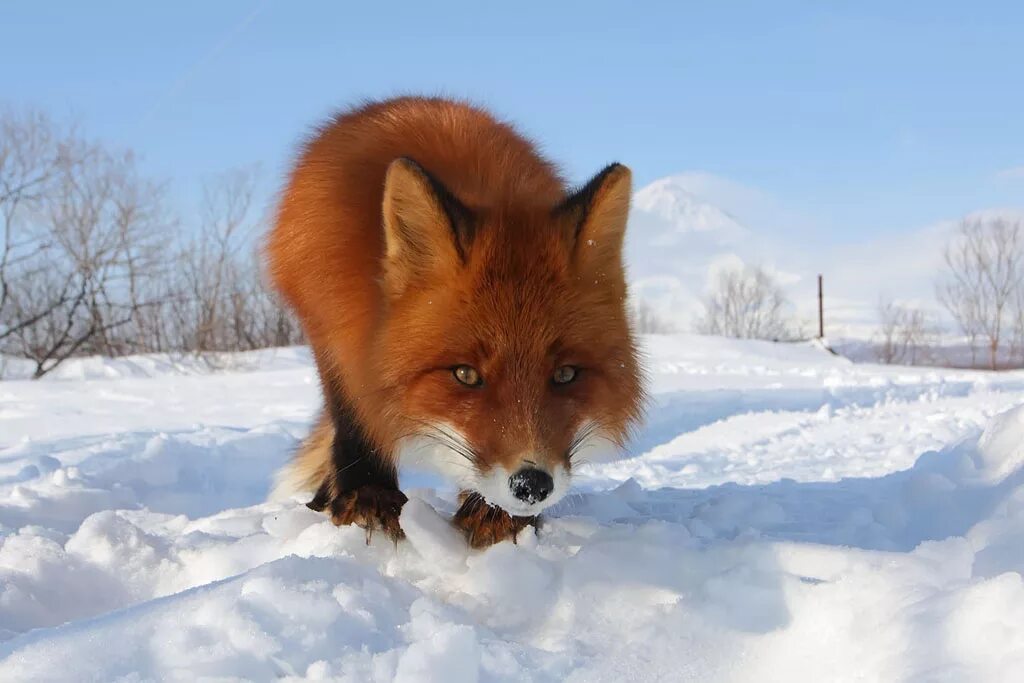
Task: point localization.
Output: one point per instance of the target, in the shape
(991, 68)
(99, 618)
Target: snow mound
(158, 364)
(785, 515)
(1001, 448)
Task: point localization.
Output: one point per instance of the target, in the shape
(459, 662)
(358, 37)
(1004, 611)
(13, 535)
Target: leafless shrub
(908, 335)
(746, 303)
(647, 321)
(890, 318)
(30, 158)
(90, 266)
(79, 244)
(220, 302)
(983, 278)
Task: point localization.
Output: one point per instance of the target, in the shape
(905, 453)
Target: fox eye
(564, 374)
(467, 375)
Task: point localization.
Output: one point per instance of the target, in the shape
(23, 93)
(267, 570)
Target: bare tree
(31, 153)
(647, 321)
(1016, 350)
(984, 274)
(920, 335)
(99, 250)
(908, 335)
(746, 303)
(890, 349)
(221, 302)
(90, 265)
(209, 264)
(81, 232)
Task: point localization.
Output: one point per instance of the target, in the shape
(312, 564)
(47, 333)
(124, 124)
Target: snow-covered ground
(788, 516)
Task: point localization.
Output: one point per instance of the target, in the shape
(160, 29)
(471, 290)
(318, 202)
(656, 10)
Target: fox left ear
(426, 229)
(597, 214)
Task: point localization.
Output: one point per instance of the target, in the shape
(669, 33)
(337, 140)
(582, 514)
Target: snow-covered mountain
(675, 213)
(674, 237)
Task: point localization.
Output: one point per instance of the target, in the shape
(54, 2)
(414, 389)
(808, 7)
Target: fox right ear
(598, 213)
(426, 229)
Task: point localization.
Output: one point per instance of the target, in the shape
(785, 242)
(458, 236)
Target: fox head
(505, 334)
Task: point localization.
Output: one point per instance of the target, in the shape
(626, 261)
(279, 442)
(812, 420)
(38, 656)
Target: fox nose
(531, 485)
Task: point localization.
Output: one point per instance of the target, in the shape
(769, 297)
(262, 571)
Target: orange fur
(392, 290)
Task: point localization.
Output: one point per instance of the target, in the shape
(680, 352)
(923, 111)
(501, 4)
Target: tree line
(980, 286)
(743, 301)
(94, 261)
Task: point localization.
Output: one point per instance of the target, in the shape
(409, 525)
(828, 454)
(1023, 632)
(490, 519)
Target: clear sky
(870, 117)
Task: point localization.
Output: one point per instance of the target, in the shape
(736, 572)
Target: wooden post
(821, 309)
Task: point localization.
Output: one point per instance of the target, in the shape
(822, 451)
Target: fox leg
(361, 484)
(484, 524)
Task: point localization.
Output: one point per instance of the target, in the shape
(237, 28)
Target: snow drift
(787, 516)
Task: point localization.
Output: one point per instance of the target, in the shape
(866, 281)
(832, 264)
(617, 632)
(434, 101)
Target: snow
(682, 213)
(786, 515)
(685, 227)
(673, 239)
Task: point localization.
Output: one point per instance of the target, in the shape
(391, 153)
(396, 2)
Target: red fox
(464, 307)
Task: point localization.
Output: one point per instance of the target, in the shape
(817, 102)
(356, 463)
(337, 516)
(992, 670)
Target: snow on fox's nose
(531, 485)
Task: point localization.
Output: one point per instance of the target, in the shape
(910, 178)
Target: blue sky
(863, 118)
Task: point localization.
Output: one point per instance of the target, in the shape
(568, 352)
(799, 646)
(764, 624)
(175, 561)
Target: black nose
(531, 485)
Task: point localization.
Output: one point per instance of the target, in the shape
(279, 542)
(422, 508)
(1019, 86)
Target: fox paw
(484, 525)
(374, 508)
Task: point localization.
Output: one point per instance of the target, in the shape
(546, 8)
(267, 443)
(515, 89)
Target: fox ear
(426, 229)
(597, 215)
